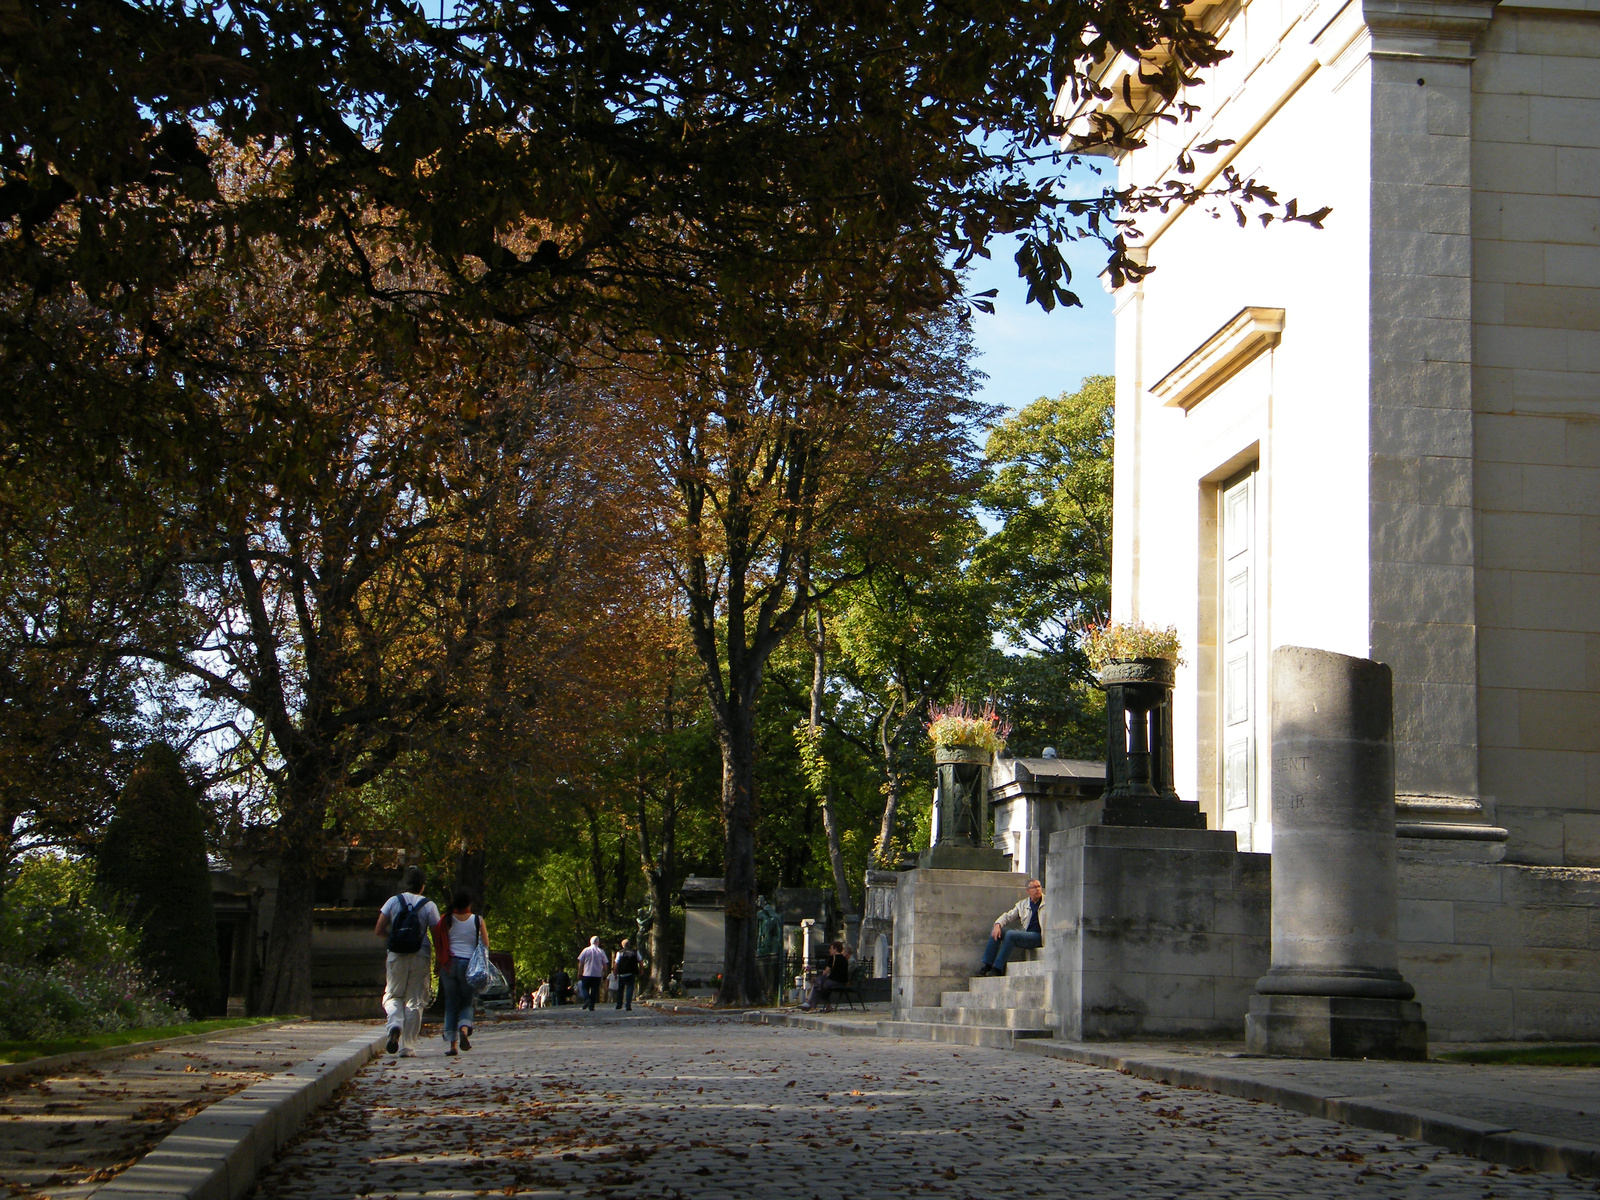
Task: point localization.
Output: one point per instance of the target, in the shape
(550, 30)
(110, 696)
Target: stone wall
(941, 921)
(1498, 951)
(1154, 932)
(1536, 399)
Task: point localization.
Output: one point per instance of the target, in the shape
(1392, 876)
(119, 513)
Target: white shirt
(463, 935)
(592, 962)
(428, 914)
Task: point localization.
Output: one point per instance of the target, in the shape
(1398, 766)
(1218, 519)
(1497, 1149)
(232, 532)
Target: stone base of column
(1336, 1027)
(964, 858)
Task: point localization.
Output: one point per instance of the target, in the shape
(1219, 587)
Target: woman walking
(464, 931)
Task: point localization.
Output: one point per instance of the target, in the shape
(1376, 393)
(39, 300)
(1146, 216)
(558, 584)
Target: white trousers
(407, 980)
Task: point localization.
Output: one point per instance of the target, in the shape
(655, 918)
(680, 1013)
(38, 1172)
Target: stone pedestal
(1153, 932)
(950, 857)
(1334, 898)
(942, 918)
(1336, 1027)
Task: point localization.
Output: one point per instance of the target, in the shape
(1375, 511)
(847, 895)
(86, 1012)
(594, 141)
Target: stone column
(1335, 989)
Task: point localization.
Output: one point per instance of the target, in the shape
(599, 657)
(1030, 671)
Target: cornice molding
(1426, 28)
(1251, 332)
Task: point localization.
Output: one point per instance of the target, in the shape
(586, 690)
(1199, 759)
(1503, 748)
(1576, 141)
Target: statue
(643, 920)
(769, 927)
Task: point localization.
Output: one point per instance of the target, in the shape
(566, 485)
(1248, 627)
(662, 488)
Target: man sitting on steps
(1028, 919)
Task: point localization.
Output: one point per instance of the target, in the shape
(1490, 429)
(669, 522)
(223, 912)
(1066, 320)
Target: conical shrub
(153, 857)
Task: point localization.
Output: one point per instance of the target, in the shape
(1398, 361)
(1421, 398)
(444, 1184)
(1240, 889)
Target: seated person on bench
(1022, 928)
(835, 977)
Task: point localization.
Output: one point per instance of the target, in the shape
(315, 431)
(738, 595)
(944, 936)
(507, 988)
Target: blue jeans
(459, 999)
(999, 949)
(625, 990)
(589, 990)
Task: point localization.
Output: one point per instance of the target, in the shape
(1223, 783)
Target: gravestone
(704, 933)
(1335, 988)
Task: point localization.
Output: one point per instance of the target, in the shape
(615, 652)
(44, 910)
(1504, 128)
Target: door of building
(1238, 659)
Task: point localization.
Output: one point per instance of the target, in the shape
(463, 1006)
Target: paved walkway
(647, 1104)
(1544, 1117)
(66, 1134)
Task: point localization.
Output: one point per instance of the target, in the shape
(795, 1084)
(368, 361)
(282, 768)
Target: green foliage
(1050, 563)
(24, 1049)
(67, 959)
(1046, 705)
(814, 765)
(154, 855)
(1051, 558)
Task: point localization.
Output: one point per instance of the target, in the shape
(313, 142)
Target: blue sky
(1028, 353)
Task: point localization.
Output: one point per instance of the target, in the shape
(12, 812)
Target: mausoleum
(1382, 438)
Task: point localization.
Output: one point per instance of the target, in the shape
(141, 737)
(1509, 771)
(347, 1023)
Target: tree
(404, 528)
(687, 175)
(909, 637)
(154, 854)
(1051, 560)
(773, 493)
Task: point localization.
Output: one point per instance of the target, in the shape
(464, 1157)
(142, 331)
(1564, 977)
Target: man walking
(592, 963)
(406, 921)
(627, 969)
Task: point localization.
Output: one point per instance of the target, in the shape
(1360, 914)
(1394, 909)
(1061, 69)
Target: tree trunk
(286, 980)
(659, 953)
(890, 789)
(740, 982)
(830, 824)
(891, 806)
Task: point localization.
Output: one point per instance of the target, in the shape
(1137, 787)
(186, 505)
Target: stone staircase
(994, 1011)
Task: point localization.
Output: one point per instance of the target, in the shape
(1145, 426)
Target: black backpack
(627, 963)
(405, 935)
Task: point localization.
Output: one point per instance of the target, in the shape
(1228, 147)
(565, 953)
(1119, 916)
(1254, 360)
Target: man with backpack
(405, 921)
(627, 971)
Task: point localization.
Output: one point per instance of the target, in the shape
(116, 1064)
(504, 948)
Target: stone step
(1007, 985)
(990, 1004)
(1010, 997)
(991, 1018)
(958, 1035)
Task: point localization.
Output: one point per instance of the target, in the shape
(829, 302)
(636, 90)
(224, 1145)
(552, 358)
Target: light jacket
(1017, 918)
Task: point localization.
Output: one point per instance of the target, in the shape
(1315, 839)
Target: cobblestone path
(693, 1108)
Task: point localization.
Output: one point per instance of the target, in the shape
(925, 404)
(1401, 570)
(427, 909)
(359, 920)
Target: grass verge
(15, 1052)
(1529, 1056)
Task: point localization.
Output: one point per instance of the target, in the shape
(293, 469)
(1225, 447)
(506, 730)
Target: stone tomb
(941, 920)
(1032, 798)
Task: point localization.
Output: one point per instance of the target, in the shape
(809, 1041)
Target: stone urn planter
(964, 743)
(963, 794)
(1139, 776)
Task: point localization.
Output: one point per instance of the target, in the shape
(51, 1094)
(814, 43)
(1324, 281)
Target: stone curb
(52, 1062)
(696, 1010)
(216, 1154)
(1493, 1143)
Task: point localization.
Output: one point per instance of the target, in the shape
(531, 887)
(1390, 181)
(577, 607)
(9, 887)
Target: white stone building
(1383, 438)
